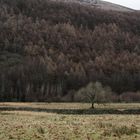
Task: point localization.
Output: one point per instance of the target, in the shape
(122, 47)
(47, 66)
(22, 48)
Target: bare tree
(94, 93)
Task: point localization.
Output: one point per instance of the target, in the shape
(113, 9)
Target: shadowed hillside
(48, 50)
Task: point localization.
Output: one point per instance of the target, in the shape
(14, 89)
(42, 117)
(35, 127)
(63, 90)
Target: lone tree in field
(94, 93)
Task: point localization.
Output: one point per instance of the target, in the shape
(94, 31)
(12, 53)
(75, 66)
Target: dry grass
(72, 105)
(34, 125)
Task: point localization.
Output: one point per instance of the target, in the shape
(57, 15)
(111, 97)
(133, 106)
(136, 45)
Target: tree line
(50, 49)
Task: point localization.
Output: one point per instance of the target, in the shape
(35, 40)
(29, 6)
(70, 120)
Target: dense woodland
(49, 50)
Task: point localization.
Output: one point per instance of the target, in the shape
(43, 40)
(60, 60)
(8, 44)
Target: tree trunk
(92, 105)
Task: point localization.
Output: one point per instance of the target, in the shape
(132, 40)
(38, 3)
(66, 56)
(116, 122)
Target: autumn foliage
(48, 49)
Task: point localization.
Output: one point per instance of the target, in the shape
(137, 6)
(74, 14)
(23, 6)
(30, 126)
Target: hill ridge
(101, 5)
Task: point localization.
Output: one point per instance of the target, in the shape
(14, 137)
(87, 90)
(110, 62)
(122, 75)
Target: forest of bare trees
(49, 49)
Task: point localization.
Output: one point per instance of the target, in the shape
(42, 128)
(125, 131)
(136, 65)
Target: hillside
(99, 4)
(50, 49)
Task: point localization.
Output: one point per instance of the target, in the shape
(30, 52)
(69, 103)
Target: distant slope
(101, 5)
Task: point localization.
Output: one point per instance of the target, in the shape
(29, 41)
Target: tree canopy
(48, 49)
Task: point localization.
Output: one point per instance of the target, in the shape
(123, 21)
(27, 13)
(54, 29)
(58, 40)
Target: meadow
(69, 121)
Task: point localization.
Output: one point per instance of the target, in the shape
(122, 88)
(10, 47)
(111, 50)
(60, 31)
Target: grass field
(69, 121)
